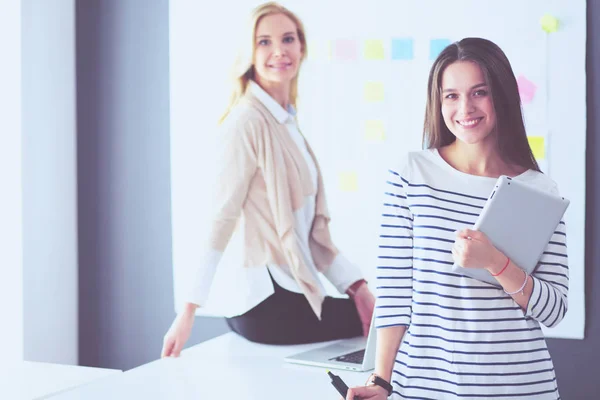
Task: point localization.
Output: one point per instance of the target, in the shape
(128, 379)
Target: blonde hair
(243, 68)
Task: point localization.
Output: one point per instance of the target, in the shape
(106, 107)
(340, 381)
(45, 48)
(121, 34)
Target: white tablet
(519, 220)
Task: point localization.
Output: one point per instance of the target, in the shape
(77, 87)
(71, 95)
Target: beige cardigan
(267, 182)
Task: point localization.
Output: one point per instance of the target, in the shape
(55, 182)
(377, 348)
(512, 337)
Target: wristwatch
(354, 287)
(379, 381)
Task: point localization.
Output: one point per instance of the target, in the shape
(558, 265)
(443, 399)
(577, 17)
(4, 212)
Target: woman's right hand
(179, 332)
(371, 392)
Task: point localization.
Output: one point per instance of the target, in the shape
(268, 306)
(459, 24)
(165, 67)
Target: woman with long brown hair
(442, 335)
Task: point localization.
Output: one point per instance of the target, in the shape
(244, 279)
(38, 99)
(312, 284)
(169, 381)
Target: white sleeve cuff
(200, 288)
(342, 273)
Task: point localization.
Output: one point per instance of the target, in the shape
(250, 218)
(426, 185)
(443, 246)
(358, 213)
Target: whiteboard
(361, 104)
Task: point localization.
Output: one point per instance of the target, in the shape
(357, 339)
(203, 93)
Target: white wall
(50, 272)
(11, 268)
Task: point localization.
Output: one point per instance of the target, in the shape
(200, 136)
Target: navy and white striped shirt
(465, 338)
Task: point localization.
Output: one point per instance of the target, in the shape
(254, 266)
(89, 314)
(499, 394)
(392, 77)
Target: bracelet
(522, 286)
(505, 266)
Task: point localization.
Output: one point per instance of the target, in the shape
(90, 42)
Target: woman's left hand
(365, 303)
(473, 249)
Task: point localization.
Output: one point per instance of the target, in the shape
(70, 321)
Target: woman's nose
(278, 50)
(466, 105)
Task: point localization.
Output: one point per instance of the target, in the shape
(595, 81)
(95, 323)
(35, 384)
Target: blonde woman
(271, 185)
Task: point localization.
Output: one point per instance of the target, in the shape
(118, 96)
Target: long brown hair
(511, 136)
(243, 69)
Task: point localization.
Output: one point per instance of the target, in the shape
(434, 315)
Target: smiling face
(278, 50)
(467, 106)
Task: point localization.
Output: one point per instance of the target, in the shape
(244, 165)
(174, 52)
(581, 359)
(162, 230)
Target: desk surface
(224, 367)
(35, 380)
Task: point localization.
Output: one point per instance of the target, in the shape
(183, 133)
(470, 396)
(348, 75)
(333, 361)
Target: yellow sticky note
(537, 147)
(311, 50)
(373, 92)
(549, 23)
(348, 181)
(374, 130)
(373, 50)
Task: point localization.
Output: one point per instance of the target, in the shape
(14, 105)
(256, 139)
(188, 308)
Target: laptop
(354, 354)
(520, 221)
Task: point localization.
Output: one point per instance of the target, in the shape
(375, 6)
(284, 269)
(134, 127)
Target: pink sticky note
(345, 50)
(526, 89)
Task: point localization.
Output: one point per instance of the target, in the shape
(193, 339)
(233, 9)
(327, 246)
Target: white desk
(35, 380)
(226, 367)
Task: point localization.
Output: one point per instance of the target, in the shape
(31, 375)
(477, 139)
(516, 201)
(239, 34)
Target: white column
(11, 252)
(50, 257)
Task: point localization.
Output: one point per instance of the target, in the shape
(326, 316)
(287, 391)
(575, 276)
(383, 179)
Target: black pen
(339, 384)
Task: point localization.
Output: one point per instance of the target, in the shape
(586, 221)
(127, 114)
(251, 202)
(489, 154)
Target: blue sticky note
(402, 49)
(436, 46)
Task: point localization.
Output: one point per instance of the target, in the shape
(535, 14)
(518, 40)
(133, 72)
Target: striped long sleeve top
(465, 338)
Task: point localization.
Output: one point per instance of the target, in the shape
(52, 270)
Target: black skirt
(286, 318)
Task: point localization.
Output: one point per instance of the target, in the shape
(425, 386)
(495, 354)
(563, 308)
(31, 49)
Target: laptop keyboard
(353, 358)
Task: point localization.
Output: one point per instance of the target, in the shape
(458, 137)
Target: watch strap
(379, 381)
(354, 287)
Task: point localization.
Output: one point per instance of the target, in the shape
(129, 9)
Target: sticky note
(549, 23)
(436, 46)
(373, 50)
(538, 147)
(345, 50)
(311, 50)
(526, 89)
(402, 49)
(348, 181)
(374, 130)
(373, 92)
(318, 50)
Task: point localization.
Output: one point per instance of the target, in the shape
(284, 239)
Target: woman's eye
(288, 39)
(263, 42)
(451, 96)
(481, 93)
